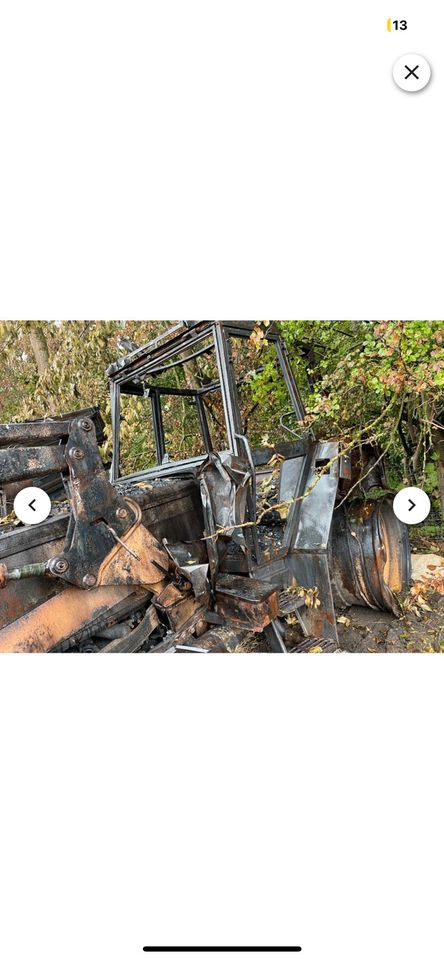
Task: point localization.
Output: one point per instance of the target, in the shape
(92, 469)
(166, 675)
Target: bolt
(122, 513)
(89, 580)
(58, 565)
(77, 453)
(85, 424)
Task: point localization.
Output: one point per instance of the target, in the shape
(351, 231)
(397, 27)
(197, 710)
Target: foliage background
(359, 380)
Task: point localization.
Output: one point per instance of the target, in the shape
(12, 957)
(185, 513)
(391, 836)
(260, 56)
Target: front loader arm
(106, 543)
(108, 552)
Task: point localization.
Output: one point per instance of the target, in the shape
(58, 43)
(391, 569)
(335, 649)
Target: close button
(412, 72)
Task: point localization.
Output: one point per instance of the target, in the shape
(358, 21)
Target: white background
(231, 799)
(194, 159)
(197, 159)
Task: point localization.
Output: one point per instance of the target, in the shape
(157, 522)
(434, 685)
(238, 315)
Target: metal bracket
(101, 525)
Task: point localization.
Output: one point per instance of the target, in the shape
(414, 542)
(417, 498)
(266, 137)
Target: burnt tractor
(207, 535)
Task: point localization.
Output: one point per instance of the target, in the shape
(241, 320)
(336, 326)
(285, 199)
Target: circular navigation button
(32, 505)
(411, 505)
(412, 72)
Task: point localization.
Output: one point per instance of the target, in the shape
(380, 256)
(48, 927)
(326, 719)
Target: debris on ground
(419, 630)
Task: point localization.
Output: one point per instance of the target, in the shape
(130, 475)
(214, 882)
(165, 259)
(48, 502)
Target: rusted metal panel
(311, 574)
(137, 637)
(226, 479)
(316, 509)
(136, 558)
(58, 618)
(176, 605)
(47, 431)
(290, 478)
(171, 508)
(23, 543)
(18, 464)
(245, 601)
(221, 639)
(369, 556)
(97, 548)
(173, 528)
(18, 597)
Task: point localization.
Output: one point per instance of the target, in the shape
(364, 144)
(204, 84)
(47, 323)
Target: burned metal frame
(192, 551)
(310, 490)
(130, 376)
(302, 557)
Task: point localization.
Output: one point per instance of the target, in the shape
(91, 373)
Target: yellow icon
(389, 24)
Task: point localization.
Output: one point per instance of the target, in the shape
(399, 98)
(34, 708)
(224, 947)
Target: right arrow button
(409, 499)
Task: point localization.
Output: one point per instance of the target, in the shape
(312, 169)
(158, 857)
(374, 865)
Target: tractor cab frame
(298, 553)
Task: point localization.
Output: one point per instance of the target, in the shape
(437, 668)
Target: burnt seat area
(171, 507)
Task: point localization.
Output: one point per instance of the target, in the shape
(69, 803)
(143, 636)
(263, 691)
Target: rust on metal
(40, 630)
(135, 639)
(17, 464)
(183, 555)
(243, 601)
(145, 562)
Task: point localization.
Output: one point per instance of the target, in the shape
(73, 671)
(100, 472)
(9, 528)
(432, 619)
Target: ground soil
(375, 631)
(426, 545)
(419, 630)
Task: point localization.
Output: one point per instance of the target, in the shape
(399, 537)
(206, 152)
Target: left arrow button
(32, 505)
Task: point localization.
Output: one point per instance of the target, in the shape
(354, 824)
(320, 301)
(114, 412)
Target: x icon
(411, 72)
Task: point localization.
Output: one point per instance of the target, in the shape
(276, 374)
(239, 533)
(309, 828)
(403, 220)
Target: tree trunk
(438, 444)
(440, 466)
(39, 347)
